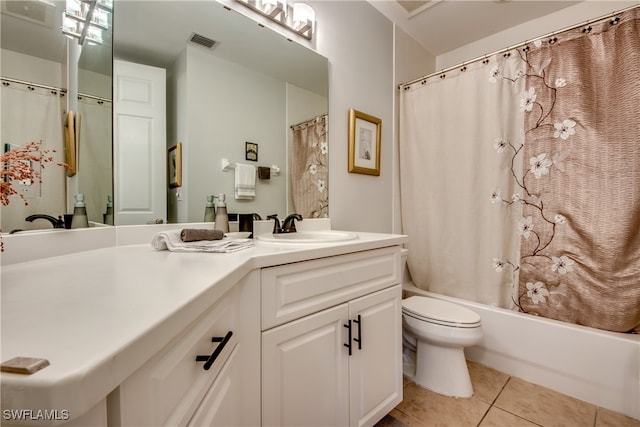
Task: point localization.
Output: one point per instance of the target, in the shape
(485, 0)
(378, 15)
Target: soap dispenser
(108, 216)
(209, 210)
(79, 219)
(222, 219)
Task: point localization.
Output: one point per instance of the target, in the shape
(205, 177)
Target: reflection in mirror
(251, 84)
(35, 102)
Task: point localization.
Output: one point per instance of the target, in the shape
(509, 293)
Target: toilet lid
(440, 311)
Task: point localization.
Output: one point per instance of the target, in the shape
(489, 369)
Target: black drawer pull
(348, 344)
(359, 339)
(210, 359)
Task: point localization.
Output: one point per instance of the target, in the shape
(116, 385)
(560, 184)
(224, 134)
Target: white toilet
(439, 330)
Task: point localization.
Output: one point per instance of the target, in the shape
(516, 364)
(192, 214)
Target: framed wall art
(364, 143)
(251, 151)
(175, 165)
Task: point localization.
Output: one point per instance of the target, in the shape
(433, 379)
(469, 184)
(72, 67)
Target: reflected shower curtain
(448, 127)
(309, 171)
(539, 190)
(33, 114)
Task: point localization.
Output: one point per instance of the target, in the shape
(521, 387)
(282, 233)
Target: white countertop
(98, 315)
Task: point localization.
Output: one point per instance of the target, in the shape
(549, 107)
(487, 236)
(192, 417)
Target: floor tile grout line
(501, 390)
(493, 401)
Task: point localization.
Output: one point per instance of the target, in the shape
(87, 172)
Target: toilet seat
(440, 312)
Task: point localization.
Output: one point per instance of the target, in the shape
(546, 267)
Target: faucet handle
(277, 229)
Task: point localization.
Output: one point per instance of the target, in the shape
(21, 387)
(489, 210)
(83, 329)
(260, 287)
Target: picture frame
(174, 166)
(251, 151)
(365, 134)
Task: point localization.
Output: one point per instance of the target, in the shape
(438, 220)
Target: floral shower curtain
(571, 199)
(448, 126)
(580, 246)
(309, 171)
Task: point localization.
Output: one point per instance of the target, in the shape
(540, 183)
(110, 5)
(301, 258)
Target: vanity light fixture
(86, 20)
(297, 17)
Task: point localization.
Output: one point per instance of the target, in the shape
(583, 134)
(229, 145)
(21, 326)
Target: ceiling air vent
(202, 40)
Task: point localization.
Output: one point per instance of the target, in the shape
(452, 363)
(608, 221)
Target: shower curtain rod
(52, 88)
(516, 46)
(309, 121)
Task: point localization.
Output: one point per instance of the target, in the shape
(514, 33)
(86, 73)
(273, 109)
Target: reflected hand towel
(245, 186)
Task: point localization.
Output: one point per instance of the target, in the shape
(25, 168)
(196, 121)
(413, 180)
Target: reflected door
(139, 143)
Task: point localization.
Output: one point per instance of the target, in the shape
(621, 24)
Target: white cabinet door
(140, 143)
(225, 404)
(305, 378)
(376, 365)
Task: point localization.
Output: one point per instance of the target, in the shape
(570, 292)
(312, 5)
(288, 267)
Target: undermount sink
(324, 236)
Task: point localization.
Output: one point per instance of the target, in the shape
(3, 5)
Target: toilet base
(442, 370)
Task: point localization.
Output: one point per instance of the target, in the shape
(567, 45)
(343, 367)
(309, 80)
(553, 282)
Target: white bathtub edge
(599, 367)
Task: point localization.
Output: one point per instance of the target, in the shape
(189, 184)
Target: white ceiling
(438, 25)
(444, 25)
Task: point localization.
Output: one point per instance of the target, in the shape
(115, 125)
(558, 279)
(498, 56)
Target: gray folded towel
(196, 234)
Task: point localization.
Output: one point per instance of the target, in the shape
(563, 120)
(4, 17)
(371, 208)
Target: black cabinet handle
(359, 339)
(348, 344)
(208, 360)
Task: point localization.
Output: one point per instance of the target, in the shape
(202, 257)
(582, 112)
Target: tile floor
(499, 401)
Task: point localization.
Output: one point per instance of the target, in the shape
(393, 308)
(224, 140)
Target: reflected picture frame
(365, 134)
(174, 166)
(251, 151)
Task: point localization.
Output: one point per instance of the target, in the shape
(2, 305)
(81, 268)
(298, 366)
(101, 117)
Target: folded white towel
(170, 240)
(245, 186)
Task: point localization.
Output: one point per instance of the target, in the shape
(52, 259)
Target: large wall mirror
(231, 86)
(253, 85)
(38, 62)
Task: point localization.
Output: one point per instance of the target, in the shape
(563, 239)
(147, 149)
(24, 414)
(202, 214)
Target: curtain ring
(615, 20)
(587, 29)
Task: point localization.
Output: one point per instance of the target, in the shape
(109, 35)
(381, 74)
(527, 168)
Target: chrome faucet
(57, 223)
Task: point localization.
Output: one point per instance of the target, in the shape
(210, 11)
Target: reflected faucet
(56, 223)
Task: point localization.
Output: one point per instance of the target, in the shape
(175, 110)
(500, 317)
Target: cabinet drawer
(168, 388)
(294, 290)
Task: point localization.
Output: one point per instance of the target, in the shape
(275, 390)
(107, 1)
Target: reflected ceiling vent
(202, 40)
(414, 7)
(36, 11)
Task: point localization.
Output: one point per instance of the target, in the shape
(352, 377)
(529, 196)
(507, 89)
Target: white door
(140, 146)
(305, 378)
(376, 364)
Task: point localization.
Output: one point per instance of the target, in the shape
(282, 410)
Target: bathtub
(599, 367)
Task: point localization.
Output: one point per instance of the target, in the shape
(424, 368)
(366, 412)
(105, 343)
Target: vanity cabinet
(331, 340)
(181, 386)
